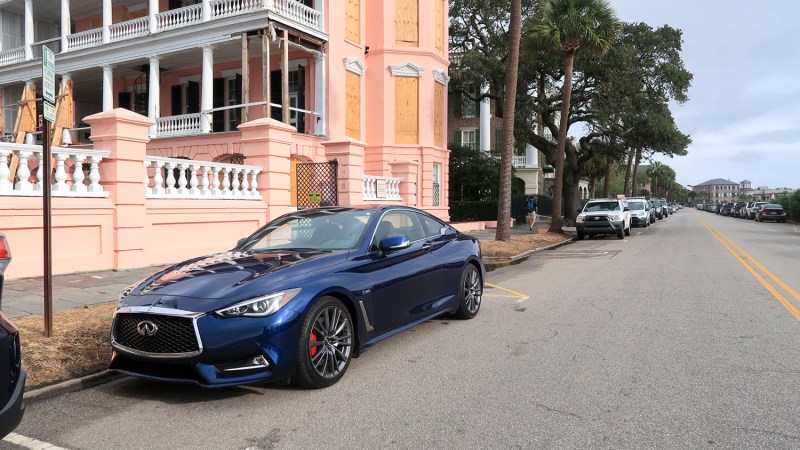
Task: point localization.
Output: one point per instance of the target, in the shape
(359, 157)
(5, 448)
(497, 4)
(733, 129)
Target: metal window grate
(317, 184)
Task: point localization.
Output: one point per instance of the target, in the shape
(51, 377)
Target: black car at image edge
(12, 377)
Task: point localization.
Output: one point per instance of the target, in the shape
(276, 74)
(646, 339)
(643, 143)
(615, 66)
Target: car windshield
(601, 206)
(636, 206)
(325, 229)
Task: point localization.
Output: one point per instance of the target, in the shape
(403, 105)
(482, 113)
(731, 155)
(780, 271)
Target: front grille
(174, 335)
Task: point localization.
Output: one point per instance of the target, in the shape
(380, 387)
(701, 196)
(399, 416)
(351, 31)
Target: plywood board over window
(438, 114)
(353, 102)
(353, 27)
(440, 25)
(406, 110)
(406, 23)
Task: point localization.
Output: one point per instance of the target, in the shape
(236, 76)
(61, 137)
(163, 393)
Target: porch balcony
(203, 17)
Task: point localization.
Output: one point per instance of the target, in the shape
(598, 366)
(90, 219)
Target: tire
(470, 293)
(325, 347)
(628, 231)
(620, 234)
(581, 235)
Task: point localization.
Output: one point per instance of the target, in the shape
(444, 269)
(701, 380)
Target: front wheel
(581, 235)
(326, 344)
(470, 293)
(628, 231)
(620, 234)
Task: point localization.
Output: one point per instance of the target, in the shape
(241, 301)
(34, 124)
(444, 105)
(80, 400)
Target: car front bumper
(11, 414)
(604, 227)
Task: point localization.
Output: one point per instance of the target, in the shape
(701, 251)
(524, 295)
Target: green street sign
(49, 111)
(49, 75)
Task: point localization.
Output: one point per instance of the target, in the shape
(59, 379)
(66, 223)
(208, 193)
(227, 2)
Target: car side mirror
(448, 231)
(392, 242)
(626, 209)
(240, 242)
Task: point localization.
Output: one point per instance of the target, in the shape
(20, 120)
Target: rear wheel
(470, 293)
(326, 344)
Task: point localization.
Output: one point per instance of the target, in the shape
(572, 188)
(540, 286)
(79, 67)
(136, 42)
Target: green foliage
(474, 175)
(468, 210)
(791, 204)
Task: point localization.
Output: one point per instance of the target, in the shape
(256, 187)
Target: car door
(404, 280)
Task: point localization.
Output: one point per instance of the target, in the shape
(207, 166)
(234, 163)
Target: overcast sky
(743, 112)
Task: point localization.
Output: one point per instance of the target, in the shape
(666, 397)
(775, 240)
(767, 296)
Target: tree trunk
(636, 162)
(558, 182)
(571, 195)
(626, 187)
(607, 178)
(512, 70)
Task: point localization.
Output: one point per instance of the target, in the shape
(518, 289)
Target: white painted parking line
(31, 443)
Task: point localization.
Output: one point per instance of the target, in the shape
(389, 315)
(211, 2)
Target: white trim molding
(407, 69)
(441, 76)
(354, 65)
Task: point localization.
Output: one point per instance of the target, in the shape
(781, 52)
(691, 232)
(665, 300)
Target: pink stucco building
(183, 125)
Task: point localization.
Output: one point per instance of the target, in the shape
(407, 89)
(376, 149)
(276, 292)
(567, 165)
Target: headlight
(615, 217)
(260, 306)
(580, 219)
(125, 292)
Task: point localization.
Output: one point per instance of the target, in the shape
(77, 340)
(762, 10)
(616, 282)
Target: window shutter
(458, 138)
(177, 100)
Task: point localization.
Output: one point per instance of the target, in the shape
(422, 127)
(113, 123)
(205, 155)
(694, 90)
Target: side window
(398, 222)
(430, 226)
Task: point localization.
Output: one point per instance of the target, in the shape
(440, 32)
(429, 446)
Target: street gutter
(495, 263)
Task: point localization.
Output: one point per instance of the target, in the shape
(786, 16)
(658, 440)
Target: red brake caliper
(313, 349)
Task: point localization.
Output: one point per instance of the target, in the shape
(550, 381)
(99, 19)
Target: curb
(496, 263)
(76, 384)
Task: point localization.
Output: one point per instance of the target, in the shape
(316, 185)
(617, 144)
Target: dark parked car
(771, 212)
(725, 210)
(12, 377)
(297, 299)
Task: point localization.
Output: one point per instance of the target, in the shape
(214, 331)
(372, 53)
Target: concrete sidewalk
(25, 296)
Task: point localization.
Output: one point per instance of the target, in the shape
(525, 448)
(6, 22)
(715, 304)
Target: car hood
(231, 276)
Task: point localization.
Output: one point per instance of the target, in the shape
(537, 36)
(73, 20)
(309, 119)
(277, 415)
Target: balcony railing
(179, 18)
(85, 39)
(188, 179)
(69, 179)
(129, 29)
(182, 125)
(381, 188)
(12, 56)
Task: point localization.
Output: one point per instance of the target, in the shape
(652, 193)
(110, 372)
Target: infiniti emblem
(146, 328)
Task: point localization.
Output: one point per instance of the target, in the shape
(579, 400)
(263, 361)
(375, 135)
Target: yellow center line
(786, 303)
(517, 294)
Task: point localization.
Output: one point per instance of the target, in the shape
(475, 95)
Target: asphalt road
(661, 340)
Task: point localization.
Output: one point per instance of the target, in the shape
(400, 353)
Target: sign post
(49, 99)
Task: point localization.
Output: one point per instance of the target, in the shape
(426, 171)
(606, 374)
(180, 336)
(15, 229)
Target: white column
(206, 10)
(106, 21)
(28, 29)
(65, 28)
(486, 116)
(154, 93)
(108, 88)
(152, 10)
(320, 96)
(320, 6)
(207, 88)
(530, 156)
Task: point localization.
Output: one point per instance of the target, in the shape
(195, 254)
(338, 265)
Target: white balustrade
(69, 179)
(179, 18)
(183, 125)
(298, 12)
(129, 29)
(12, 56)
(190, 179)
(84, 39)
(381, 188)
(228, 8)
(519, 161)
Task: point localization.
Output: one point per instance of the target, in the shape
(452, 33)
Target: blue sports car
(298, 299)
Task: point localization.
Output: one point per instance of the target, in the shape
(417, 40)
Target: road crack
(601, 309)
(549, 409)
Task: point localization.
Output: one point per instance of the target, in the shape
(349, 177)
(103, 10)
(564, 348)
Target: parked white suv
(604, 216)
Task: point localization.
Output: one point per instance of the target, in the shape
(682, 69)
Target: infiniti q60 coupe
(298, 299)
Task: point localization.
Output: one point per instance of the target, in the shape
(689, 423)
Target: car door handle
(427, 247)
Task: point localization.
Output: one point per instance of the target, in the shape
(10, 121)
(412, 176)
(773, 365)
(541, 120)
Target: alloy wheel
(473, 291)
(330, 342)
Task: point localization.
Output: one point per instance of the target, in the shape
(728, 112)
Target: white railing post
(61, 174)
(254, 183)
(158, 180)
(94, 174)
(77, 174)
(6, 187)
(23, 173)
(215, 182)
(226, 181)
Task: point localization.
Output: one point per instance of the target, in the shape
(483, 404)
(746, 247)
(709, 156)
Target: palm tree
(503, 232)
(566, 26)
(656, 172)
